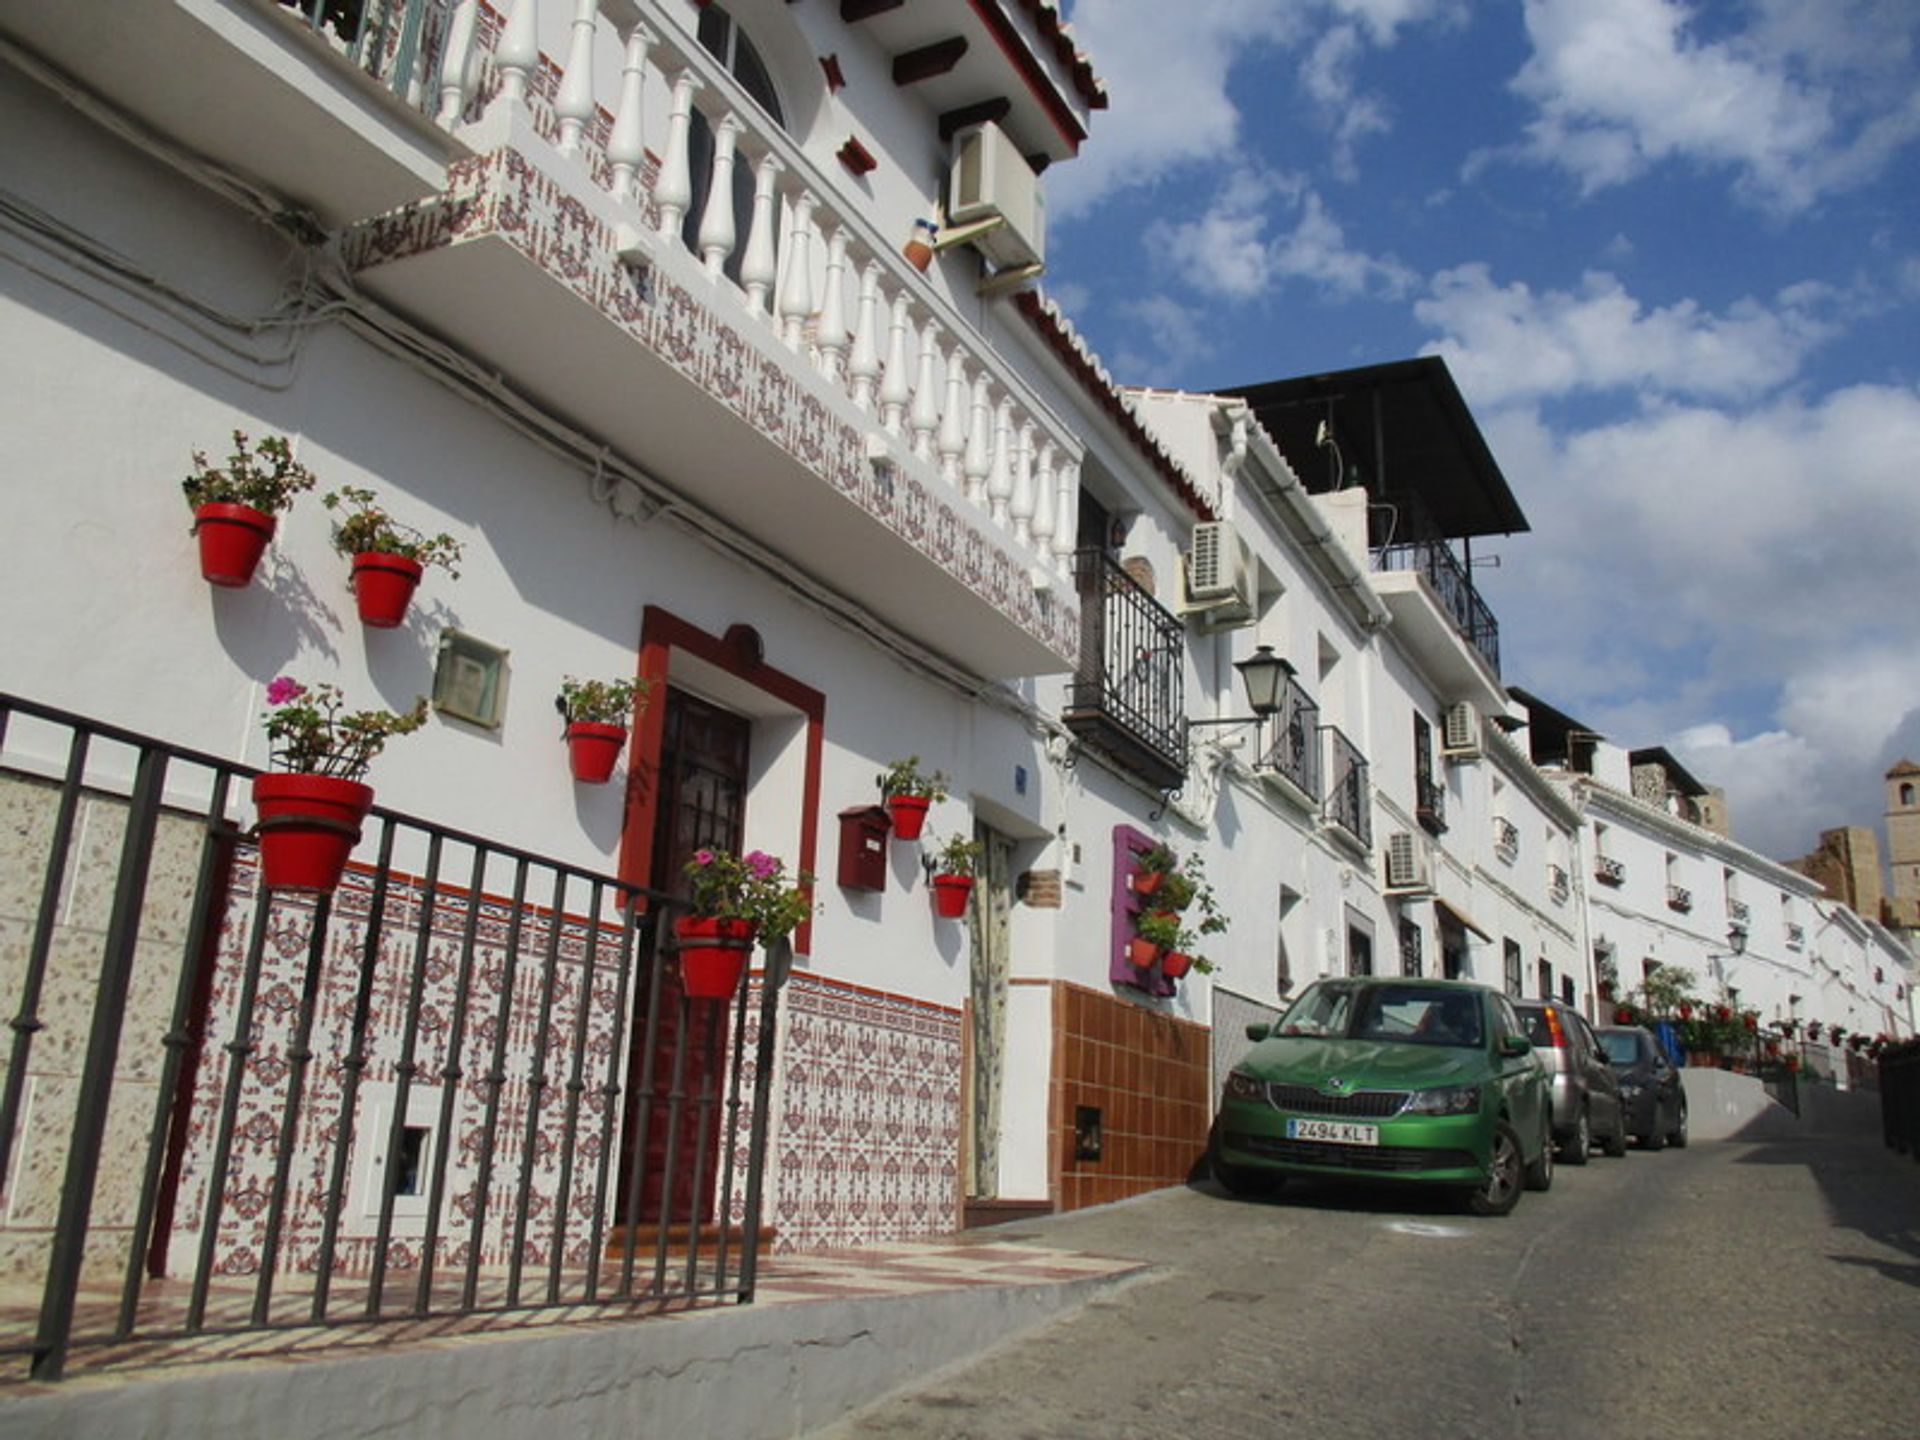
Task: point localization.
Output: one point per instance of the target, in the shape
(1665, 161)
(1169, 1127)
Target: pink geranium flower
(284, 688)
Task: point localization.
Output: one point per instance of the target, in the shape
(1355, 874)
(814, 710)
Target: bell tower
(1903, 842)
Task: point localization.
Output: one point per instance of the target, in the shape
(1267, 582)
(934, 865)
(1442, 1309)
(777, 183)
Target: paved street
(1752, 1289)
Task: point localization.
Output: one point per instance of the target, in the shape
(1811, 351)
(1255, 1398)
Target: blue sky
(1671, 252)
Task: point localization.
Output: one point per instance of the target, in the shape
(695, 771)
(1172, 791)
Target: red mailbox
(863, 847)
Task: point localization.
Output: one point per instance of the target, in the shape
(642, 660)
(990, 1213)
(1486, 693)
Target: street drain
(1238, 1297)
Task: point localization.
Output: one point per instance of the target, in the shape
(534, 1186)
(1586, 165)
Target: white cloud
(1791, 107)
(1178, 332)
(1507, 342)
(1691, 559)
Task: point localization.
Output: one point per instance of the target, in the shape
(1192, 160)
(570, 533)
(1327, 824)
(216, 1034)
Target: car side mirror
(1259, 1030)
(1513, 1045)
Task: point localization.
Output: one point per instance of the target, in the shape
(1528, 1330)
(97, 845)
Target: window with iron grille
(1515, 973)
(1410, 947)
(1430, 797)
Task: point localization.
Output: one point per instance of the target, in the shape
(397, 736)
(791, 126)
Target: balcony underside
(1426, 629)
(248, 87)
(1099, 729)
(525, 278)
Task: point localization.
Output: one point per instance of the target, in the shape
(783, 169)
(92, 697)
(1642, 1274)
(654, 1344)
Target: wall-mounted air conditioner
(1460, 733)
(1409, 868)
(991, 181)
(1220, 580)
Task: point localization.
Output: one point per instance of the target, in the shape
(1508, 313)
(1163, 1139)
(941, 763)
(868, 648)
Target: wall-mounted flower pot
(909, 813)
(383, 586)
(309, 825)
(1142, 953)
(1147, 882)
(713, 954)
(1173, 964)
(593, 748)
(950, 894)
(232, 540)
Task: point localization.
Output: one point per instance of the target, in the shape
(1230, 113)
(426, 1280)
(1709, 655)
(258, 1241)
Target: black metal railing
(1347, 796)
(1128, 696)
(1295, 752)
(465, 1082)
(1430, 804)
(1455, 589)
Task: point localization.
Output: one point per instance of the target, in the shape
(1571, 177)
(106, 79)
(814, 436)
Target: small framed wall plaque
(470, 680)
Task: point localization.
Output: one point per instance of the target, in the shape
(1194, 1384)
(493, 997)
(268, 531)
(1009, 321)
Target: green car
(1430, 1081)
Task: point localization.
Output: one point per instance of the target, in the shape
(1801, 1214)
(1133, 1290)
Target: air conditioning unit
(1460, 737)
(990, 180)
(1221, 579)
(1409, 870)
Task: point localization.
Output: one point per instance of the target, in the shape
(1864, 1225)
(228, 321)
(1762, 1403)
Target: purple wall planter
(1128, 845)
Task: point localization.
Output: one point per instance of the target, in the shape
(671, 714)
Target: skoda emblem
(1336, 1085)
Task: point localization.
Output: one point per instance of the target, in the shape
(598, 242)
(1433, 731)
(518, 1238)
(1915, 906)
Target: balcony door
(722, 37)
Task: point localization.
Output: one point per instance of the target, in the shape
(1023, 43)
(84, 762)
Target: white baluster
(518, 52)
(627, 145)
(796, 281)
(1066, 519)
(455, 62)
(925, 415)
(756, 265)
(979, 462)
(1000, 477)
(574, 103)
(893, 384)
(1020, 504)
(863, 365)
(1043, 503)
(953, 422)
(717, 232)
(673, 186)
(830, 335)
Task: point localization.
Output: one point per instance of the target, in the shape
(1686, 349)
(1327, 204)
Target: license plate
(1339, 1132)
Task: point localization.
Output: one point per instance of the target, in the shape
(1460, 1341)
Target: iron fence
(467, 1082)
(1347, 796)
(1295, 752)
(1129, 694)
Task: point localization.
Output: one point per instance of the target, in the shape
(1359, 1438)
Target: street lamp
(1264, 676)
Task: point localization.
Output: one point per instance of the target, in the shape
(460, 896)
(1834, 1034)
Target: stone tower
(1903, 843)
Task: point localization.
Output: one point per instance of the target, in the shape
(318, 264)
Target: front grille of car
(1382, 1158)
(1362, 1104)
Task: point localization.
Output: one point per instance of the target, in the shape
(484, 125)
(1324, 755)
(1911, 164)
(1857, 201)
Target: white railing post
(1020, 505)
(1043, 503)
(673, 187)
(830, 335)
(925, 415)
(863, 365)
(627, 145)
(979, 461)
(1066, 519)
(893, 383)
(953, 418)
(756, 264)
(1000, 477)
(717, 229)
(518, 53)
(574, 104)
(796, 281)
(456, 61)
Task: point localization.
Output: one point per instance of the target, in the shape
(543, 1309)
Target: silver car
(1586, 1092)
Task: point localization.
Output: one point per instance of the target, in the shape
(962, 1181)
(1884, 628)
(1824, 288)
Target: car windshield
(1622, 1046)
(1404, 1014)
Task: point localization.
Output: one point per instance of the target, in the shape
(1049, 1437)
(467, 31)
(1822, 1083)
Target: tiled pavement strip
(974, 1260)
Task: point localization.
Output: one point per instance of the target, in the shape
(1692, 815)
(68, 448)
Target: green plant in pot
(737, 901)
(388, 557)
(597, 713)
(909, 793)
(236, 506)
(1151, 868)
(1173, 943)
(953, 868)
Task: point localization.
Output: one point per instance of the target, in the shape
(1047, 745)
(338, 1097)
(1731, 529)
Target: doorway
(989, 968)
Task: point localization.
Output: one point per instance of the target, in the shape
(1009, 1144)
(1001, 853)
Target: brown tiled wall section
(1148, 1074)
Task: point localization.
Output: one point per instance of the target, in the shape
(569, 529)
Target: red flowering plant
(311, 736)
(754, 887)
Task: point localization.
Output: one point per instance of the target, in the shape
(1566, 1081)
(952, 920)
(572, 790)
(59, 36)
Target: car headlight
(1631, 1091)
(1245, 1087)
(1447, 1100)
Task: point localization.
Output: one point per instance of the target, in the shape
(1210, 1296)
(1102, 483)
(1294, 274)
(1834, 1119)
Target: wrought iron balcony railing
(1347, 797)
(1295, 752)
(1559, 886)
(1796, 936)
(1128, 697)
(1506, 840)
(1679, 897)
(1609, 871)
(1738, 911)
(1430, 804)
(1448, 577)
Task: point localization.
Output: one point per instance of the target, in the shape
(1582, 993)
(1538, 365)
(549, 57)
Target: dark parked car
(1431, 1081)
(1586, 1093)
(1650, 1090)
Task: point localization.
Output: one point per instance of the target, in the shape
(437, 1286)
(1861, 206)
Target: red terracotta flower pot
(950, 894)
(383, 585)
(909, 814)
(232, 540)
(1142, 953)
(1146, 882)
(713, 954)
(1173, 964)
(309, 825)
(593, 748)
